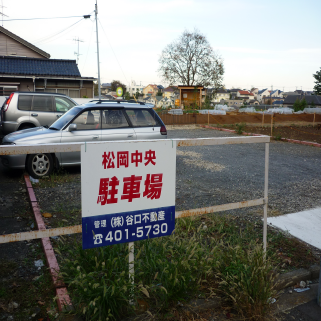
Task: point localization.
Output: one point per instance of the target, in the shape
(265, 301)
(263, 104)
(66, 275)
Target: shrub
(246, 279)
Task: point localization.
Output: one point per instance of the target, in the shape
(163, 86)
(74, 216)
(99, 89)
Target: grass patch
(60, 176)
(205, 256)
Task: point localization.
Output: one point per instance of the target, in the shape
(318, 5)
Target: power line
(92, 29)
(49, 18)
(113, 51)
(45, 39)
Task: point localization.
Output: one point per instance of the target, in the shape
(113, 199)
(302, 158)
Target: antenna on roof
(77, 53)
(2, 14)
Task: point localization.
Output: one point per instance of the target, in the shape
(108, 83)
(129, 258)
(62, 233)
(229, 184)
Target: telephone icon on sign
(98, 238)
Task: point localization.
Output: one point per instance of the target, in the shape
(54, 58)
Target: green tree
(115, 84)
(207, 103)
(317, 86)
(297, 105)
(304, 104)
(300, 104)
(127, 96)
(138, 93)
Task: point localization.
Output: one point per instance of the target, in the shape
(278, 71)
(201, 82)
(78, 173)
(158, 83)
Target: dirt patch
(26, 291)
(306, 133)
(195, 159)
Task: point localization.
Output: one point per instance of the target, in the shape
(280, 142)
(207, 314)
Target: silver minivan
(22, 110)
(97, 121)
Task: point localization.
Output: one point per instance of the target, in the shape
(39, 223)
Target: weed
(278, 137)
(240, 128)
(177, 267)
(166, 270)
(246, 279)
(2, 292)
(57, 177)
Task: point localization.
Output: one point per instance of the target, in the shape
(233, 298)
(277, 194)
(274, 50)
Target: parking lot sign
(127, 191)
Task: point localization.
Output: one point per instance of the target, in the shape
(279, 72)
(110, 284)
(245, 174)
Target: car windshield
(65, 118)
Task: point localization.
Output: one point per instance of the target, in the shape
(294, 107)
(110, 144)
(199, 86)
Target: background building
(25, 67)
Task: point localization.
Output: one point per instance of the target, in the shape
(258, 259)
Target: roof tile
(38, 67)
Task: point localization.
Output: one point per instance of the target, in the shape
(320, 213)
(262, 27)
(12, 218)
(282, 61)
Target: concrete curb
(63, 299)
(294, 277)
(294, 141)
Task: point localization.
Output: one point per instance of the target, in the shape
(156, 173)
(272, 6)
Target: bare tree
(191, 61)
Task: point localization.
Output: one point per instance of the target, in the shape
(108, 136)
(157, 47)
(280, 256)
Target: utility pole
(96, 13)
(77, 53)
(271, 95)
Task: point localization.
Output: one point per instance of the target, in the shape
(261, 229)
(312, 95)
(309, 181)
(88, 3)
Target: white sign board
(127, 191)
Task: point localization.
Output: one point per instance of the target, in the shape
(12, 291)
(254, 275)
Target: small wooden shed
(191, 95)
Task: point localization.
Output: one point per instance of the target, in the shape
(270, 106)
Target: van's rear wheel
(22, 127)
(39, 165)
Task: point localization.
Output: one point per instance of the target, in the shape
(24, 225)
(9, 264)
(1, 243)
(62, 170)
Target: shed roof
(24, 42)
(38, 67)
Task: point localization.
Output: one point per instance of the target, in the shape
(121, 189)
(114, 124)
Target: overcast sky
(262, 43)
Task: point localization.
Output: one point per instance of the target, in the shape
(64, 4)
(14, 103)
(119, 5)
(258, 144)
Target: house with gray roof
(25, 67)
(291, 99)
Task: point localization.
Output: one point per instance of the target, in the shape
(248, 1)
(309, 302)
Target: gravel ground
(213, 175)
(22, 284)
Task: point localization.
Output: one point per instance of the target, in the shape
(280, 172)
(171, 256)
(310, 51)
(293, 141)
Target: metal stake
(319, 289)
(96, 12)
(131, 259)
(266, 183)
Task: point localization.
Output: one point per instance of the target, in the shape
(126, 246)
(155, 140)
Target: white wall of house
(220, 96)
(261, 95)
(133, 88)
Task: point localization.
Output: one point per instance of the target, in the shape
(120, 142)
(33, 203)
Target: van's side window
(24, 102)
(63, 104)
(42, 103)
(114, 118)
(141, 118)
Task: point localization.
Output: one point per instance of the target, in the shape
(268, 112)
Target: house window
(7, 90)
(62, 91)
(74, 93)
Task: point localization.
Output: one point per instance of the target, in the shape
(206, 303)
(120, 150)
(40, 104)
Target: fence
(76, 147)
(195, 118)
